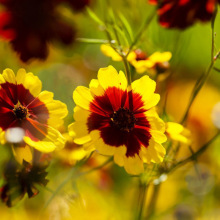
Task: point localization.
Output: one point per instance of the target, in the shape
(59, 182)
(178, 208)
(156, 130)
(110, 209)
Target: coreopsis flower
(72, 152)
(31, 25)
(21, 179)
(108, 51)
(183, 13)
(23, 105)
(155, 63)
(177, 132)
(119, 120)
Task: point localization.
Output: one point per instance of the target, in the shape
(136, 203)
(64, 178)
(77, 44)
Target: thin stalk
(70, 176)
(195, 155)
(92, 41)
(198, 87)
(201, 80)
(143, 194)
(141, 31)
(127, 70)
(153, 201)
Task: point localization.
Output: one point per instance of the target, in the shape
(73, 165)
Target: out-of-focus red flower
(77, 5)
(183, 13)
(30, 25)
(21, 179)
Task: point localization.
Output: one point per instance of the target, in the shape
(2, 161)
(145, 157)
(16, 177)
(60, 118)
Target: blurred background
(110, 193)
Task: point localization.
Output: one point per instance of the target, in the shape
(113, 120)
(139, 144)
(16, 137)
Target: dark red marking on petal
(140, 55)
(108, 115)
(183, 13)
(15, 97)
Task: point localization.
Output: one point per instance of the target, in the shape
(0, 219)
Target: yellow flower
(177, 132)
(23, 105)
(157, 61)
(119, 121)
(108, 51)
(71, 151)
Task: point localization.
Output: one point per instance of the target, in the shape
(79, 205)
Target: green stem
(201, 80)
(93, 41)
(143, 193)
(153, 201)
(127, 70)
(141, 31)
(70, 175)
(198, 87)
(194, 156)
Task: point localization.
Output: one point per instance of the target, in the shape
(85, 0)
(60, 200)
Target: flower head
(178, 133)
(21, 179)
(157, 62)
(31, 24)
(23, 105)
(183, 13)
(119, 120)
(71, 153)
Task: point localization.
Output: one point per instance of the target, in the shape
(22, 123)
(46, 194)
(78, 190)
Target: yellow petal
(81, 114)
(82, 97)
(144, 86)
(22, 153)
(158, 136)
(133, 165)
(2, 137)
(9, 76)
(95, 88)
(46, 97)
(108, 51)
(131, 56)
(53, 140)
(79, 131)
(101, 147)
(155, 152)
(119, 155)
(153, 101)
(109, 77)
(29, 81)
(156, 124)
(57, 111)
(158, 57)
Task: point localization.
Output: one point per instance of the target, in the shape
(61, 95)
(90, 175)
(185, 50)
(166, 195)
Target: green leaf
(95, 17)
(92, 41)
(126, 25)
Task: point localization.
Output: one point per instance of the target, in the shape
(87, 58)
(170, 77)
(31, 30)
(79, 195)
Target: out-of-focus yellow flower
(24, 106)
(108, 51)
(71, 153)
(178, 133)
(156, 63)
(119, 121)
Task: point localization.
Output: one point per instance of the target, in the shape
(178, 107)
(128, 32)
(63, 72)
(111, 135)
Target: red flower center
(20, 112)
(140, 55)
(123, 119)
(120, 117)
